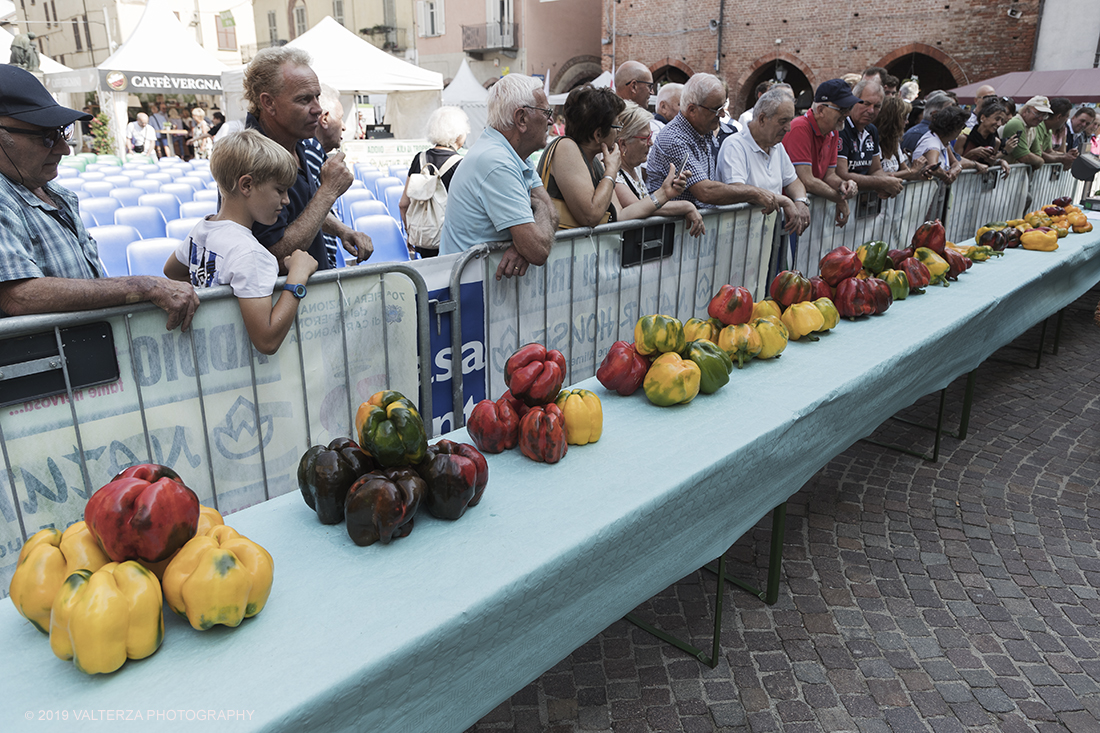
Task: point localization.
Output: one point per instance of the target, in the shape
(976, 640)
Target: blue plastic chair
(203, 175)
(196, 183)
(148, 168)
(88, 219)
(207, 194)
(102, 208)
(389, 244)
(161, 177)
(82, 194)
(397, 170)
(365, 207)
(148, 256)
(112, 241)
(98, 188)
(148, 220)
(180, 228)
(72, 183)
(198, 208)
(180, 190)
(168, 204)
(392, 197)
(119, 181)
(356, 183)
(146, 185)
(368, 177)
(128, 195)
(381, 184)
(350, 197)
(132, 173)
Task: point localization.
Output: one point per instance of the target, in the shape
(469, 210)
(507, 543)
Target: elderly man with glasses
(814, 141)
(634, 82)
(48, 261)
(1029, 145)
(495, 194)
(860, 157)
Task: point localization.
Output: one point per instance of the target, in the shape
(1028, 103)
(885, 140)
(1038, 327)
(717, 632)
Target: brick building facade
(945, 43)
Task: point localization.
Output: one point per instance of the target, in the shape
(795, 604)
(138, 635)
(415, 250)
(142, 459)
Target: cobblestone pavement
(952, 596)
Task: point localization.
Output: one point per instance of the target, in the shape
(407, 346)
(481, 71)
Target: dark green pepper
(873, 256)
(326, 473)
(714, 364)
(391, 430)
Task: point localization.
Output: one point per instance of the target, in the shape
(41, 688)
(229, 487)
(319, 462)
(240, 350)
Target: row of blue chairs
(123, 251)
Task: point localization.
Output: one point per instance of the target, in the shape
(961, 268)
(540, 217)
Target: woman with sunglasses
(634, 141)
(981, 142)
(581, 186)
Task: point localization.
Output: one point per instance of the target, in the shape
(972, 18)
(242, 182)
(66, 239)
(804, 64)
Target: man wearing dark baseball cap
(813, 143)
(48, 261)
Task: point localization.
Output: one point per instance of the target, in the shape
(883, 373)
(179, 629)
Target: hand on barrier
(512, 264)
(841, 213)
(695, 225)
(358, 244)
(849, 189)
(796, 216)
(177, 299)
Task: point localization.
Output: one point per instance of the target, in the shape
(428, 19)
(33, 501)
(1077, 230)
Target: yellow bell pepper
(663, 334)
(766, 307)
(773, 336)
(1037, 239)
(829, 314)
(44, 562)
(219, 578)
(741, 342)
(802, 319)
(697, 328)
(672, 380)
(937, 266)
(583, 416)
(101, 619)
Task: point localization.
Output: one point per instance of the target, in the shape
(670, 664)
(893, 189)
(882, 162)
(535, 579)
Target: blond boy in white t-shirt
(253, 174)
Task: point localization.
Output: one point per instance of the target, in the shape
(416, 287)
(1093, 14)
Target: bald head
(634, 81)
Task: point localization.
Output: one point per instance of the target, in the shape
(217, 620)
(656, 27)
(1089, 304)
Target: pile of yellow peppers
(100, 613)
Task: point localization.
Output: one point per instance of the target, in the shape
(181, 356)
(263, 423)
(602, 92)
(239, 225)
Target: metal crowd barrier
(87, 394)
(1048, 183)
(977, 198)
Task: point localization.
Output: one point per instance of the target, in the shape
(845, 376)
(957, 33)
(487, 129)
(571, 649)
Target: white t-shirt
(742, 160)
(226, 253)
(139, 135)
(931, 141)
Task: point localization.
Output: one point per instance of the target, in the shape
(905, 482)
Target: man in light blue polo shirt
(754, 161)
(495, 195)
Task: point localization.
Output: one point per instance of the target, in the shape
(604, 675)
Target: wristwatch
(299, 291)
(802, 200)
(653, 198)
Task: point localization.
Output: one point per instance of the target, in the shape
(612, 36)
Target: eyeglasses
(716, 112)
(833, 107)
(651, 84)
(549, 113)
(616, 127)
(49, 137)
(648, 138)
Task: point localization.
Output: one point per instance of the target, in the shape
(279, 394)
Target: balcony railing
(490, 37)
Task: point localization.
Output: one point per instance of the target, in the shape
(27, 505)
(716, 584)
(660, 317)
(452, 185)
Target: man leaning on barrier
(754, 158)
(495, 194)
(860, 156)
(813, 142)
(282, 92)
(48, 261)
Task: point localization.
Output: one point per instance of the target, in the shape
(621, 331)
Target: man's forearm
(300, 232)
(723, 194)
(818, 187)
(546, 216)
(868, 183)
(58, 295)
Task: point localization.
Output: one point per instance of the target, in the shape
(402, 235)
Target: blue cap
(23, 97)
(836, 92)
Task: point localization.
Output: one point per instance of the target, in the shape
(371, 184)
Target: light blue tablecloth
(436, 629)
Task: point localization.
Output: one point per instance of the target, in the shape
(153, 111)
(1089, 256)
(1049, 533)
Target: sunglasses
(48, 137)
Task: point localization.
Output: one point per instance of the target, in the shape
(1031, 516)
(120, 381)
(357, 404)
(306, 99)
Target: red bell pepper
(881, 296)
(839, 264)
(854, 298)
(957, 263)
(534, 374)
(623, 369)
(790, 287)
(381, 505)
(930, 234)
(897, 255)
(542, 434)
(731, 305)
(916, 273)
(145, 513)
(456, 475)
(517, 405)
(819, 288)
(493, 426)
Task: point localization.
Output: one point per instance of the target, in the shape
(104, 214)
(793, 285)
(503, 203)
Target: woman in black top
(982, 143)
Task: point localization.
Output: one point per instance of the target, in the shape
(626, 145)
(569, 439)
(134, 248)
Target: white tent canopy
(346, 62)
(467, 93)
(159, 57)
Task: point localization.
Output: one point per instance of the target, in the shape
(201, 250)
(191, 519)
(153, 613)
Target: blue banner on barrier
(472, 359)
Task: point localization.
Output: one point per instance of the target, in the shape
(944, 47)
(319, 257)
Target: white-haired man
(860, 156)
(754, 161)
(282, 92)
(668, 104)
(495, 194)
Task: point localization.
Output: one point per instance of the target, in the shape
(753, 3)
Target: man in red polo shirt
(813, 142)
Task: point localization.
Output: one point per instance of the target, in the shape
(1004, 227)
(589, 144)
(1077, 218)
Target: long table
(434, 630)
